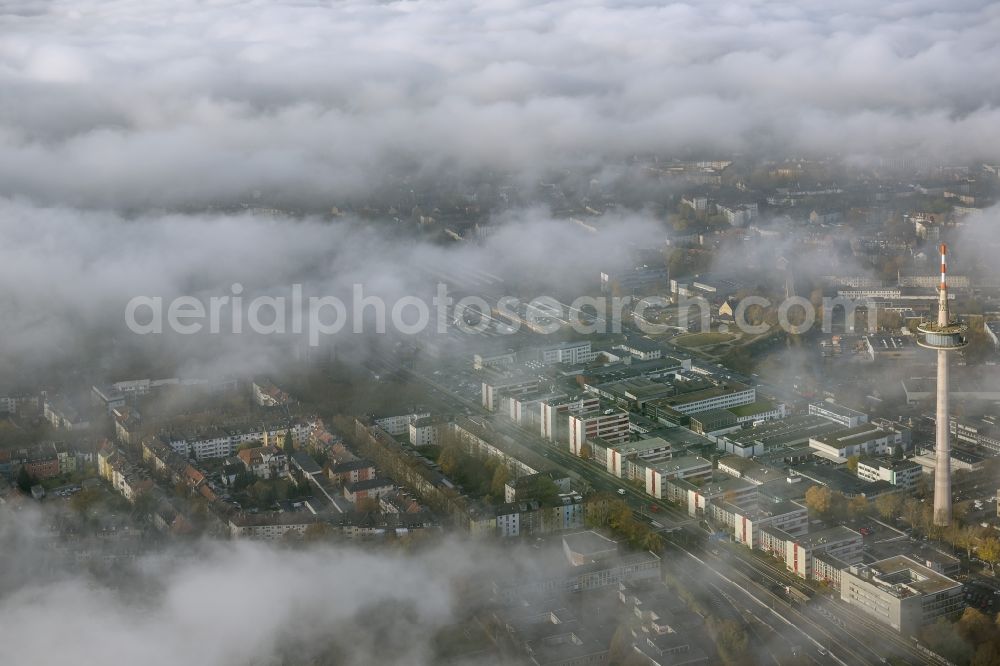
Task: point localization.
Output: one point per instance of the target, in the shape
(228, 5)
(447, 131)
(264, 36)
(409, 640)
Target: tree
(500, 478)
(732, 642)
(976, 627)
(987, 654)
(852, 464)
(888, 505)
(989, 551)
(25, 480)
(819, 500)
(317, 532)
(449, 459)
(84, 500)
(289, 445)
(858, 506)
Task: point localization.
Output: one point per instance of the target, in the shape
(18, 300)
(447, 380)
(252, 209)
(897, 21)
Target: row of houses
(45, 460)
(223, 442)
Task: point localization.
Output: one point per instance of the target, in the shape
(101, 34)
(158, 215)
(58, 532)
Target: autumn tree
(976, 627)
(888, 505)
(819, 500)
(858, 506)
(989, 551)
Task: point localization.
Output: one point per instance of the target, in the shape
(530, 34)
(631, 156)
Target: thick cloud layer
(71, 273)
(227, 604)
(177, 102)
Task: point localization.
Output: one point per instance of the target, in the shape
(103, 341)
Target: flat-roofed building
(714, 421)
(745, 522)
(426, 431)
(721, 487)
(901, 593)
(778, 434)
(608, 423)
(554, 411)
(890, 347)
(570, 353)
(758, 411)
(749, 470)
(902, 473)
(524, 409)
(659, 475)
(849, 418)
(701, 398)
(841, 542)
(865, 439)
(643, 349)
(629, 459)
(960, 460)
(508, 385)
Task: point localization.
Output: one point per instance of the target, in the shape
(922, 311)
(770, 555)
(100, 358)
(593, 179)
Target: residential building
(375, 488)
(628, 460)
(399, 424)
(798, 551)
(352, 471)
(509, 385)
(266, 394)
(126, 478)
(659, 475)
(520, 488)
(608, 423)
(264, 462)
(744, 522)
(555, 410)
(426, 431)
(270, 526)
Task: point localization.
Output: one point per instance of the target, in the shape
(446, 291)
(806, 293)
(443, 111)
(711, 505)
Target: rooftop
(829, 536)
(903, 577)
(856, 435)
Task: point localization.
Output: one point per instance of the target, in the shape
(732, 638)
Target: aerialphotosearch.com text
(321, 316)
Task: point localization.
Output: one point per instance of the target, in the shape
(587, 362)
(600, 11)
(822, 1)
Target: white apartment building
(400, 423)
(609, 424)
(659, 475)
(746, 522)
(629, 459)
(425, 431)
(493, 388)
(554, 412)
(223, 443)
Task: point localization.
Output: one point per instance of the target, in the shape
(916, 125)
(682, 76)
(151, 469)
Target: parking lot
(982, 597)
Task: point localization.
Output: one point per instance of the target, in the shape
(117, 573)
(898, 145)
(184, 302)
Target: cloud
(74, 272)
(222, 604)
(137, 104)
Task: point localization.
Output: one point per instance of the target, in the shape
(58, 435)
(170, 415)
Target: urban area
(745, 485)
